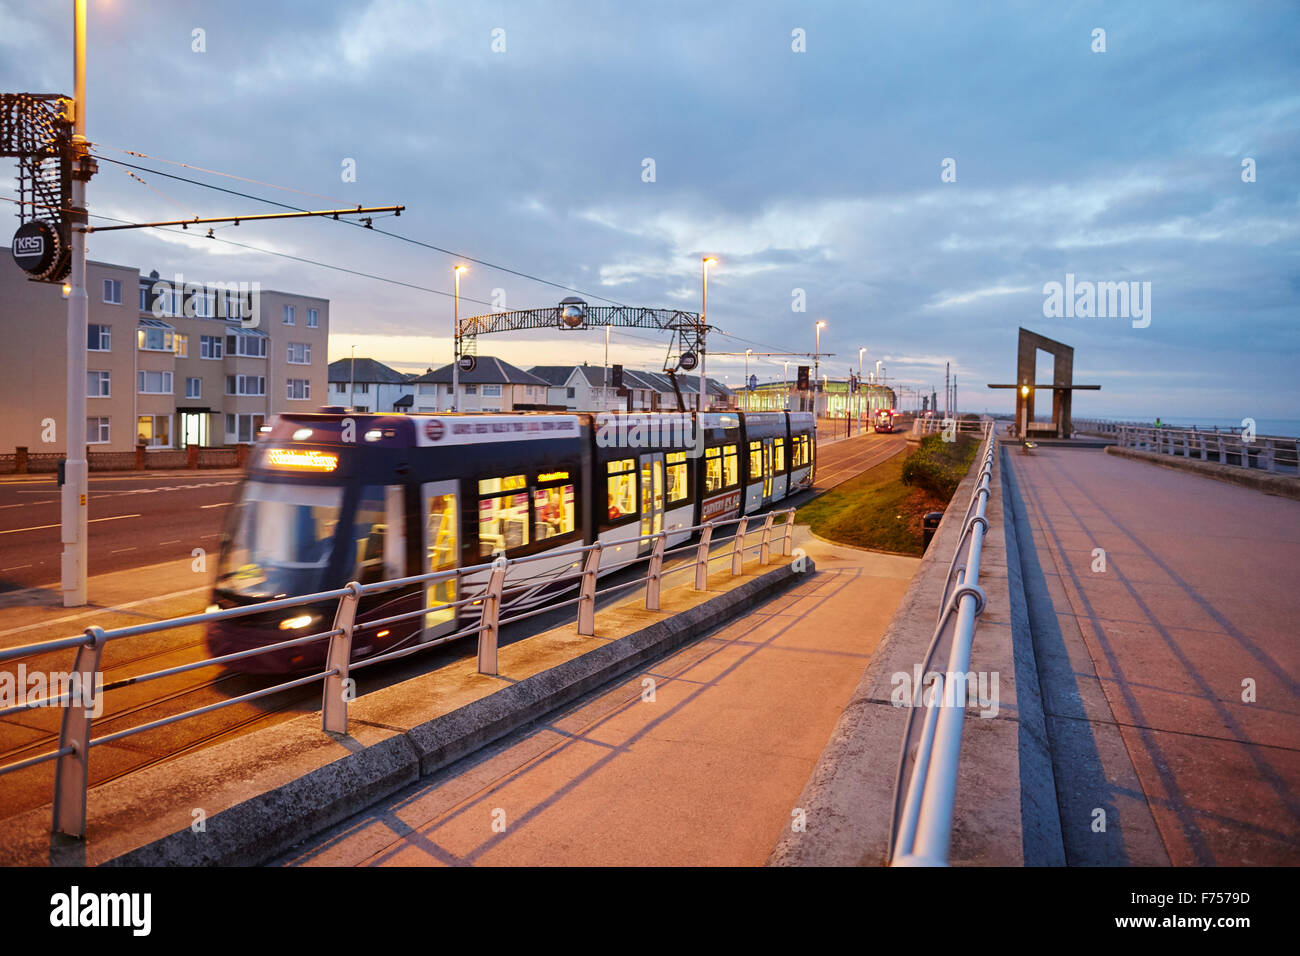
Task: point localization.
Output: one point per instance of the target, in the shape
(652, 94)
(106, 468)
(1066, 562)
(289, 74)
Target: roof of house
(366, 370)
(489, 371)
(553, 375)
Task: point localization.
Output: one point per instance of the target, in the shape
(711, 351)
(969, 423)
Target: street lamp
(704, 312)
(821, 324)
(857, 395)
(352, 380)
(746, 385)
(455, 346)
(785, 383)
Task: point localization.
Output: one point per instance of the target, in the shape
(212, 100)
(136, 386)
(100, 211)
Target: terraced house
(170, 362)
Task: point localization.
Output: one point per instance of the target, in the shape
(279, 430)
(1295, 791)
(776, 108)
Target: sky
(914, 174)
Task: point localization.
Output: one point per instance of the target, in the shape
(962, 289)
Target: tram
(884, 423)
(330, 498)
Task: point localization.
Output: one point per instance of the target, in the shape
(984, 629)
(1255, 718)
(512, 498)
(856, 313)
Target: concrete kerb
(848, 800)
(270, 790)
(1288, 486)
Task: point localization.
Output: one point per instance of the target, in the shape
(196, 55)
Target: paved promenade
(706, 771)
(1170, 677)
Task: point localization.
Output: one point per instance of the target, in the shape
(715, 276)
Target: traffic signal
(803, 378)
(618, 376)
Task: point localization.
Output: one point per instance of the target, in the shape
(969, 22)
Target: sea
(1278, 427)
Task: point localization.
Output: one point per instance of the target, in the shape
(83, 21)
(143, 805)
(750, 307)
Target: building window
(182, 345)
(247, 346)
(144, 298)
(362, 409)
(97, 385)
(98, 338)
(299, 353)
(570, 392)
(155, 340)
(341, 387)
(491, 391)
(448, 389)
(298, 389)
(154, 431)
(210, 346)
(471, 389)
(288, 315)
(242, 428)
(97, 430)
(202, 304)
(502, 515)
(313, 318)
(428, 389)
(363, 388)
(245, 385)
(194, 388)
(113, 291)
(155, 383)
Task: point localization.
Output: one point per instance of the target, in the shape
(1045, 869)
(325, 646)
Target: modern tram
(885, 421)
(330, 498)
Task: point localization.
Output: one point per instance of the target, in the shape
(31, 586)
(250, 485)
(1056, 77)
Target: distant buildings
(170, 362)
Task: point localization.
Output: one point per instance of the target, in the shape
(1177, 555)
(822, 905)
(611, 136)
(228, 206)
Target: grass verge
(880, 509)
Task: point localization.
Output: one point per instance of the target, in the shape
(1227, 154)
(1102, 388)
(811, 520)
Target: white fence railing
(926, 786)
(1226, 448)
(75, 743)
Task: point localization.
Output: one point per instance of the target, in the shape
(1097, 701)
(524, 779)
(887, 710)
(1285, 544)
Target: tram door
(441, 552)
(652, 497)
(767, 471)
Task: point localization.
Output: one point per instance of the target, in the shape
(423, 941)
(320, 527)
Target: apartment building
(170, 361)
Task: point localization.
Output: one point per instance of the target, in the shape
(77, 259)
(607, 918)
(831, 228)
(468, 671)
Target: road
(134, 520)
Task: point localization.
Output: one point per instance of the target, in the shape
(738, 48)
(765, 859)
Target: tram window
(756, 459)
(730, 466)
(377, 534)
(677, 477)
(502, 518)
(712, 469)
(552, 512)
(778, 456)
(622, 488)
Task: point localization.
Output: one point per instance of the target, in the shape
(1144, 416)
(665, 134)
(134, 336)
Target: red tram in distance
(885, 420)
(330, 498)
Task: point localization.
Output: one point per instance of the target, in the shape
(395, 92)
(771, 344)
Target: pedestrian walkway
(698, 759)
(1165, 634)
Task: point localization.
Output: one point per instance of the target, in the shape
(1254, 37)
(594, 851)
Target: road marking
(220, 504)
(122, 550)
(42, 527)
(28, 504)
(161, 543)
(103, 610)
(16, 567)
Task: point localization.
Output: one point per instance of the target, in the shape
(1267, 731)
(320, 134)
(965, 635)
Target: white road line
(220, 504)
(16, 567)
(123, 550)
(43, 527)
(161, 543)
(28, 504)
(102, 611)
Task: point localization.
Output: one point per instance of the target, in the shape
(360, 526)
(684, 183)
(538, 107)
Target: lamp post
(821, 324)
(352, 380)
(75, 486)
(857, 403)
(455, 347)
(746, 385)
(785, 383)
(704, 324)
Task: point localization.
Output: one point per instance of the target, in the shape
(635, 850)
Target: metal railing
(926, 785)
(936, 426)
(1227, 448)
(82, 689)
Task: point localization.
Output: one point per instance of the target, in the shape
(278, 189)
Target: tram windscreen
(283, 536)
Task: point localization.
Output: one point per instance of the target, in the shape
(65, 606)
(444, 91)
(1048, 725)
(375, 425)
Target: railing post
(702, 558)
(489, 625)
(788, 544)
(71, 769)
(587, 595)
(738, 547)
(765, 549)
(656, 573)
(1223, 454)
(1266, 459)
(334, 702)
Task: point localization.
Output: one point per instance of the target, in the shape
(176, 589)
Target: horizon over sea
(1277, 427)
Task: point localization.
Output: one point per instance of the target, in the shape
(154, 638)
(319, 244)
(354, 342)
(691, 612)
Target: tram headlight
(295, 623)
(374, 435)
(212, 609)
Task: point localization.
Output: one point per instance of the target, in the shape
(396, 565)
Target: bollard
(334, 700)
(929, 525)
